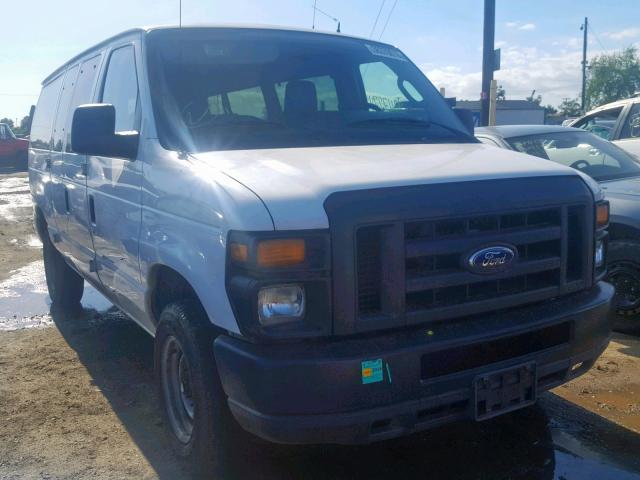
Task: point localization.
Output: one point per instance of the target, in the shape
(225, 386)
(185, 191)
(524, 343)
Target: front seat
(300, 100)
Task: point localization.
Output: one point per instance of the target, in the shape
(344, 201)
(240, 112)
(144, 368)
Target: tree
(501, 94)
(570, 107)
(613, 77)
(8, 121)
(550, 110)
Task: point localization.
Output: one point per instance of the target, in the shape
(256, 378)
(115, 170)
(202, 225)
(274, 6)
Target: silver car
(618, 174)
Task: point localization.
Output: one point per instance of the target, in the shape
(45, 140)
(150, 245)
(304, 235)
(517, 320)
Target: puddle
(25, 302)
(572, 467)
(14, 185)
(15, 206)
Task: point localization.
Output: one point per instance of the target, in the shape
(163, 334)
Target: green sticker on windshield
(372, 371)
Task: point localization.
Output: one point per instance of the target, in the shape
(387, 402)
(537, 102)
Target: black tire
(623, 265)
(200, 424)
(64, 284)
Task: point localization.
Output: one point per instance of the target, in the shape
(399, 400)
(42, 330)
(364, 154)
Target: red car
(13, 151)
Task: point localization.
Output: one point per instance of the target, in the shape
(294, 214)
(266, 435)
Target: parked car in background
(14, 152)
(618, 122)
(618, 173)
(322, 250)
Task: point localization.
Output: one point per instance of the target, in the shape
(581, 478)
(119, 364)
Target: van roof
(148, 29)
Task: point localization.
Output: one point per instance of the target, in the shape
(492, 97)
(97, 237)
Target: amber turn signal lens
(602, 214)
(280, 253)
(239, 252)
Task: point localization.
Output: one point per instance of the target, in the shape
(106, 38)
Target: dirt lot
(77, 400)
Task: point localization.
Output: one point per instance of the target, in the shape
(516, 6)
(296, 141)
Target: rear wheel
(624, 274)
(195, 406)
(64, 284)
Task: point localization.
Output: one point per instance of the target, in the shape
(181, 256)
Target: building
(509, 112)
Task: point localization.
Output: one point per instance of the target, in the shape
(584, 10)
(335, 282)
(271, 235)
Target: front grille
(552, 258)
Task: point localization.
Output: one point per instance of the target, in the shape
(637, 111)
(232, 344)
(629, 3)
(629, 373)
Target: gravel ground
(77, 400)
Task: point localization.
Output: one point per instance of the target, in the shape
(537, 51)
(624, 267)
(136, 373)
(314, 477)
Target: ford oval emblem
(492, 259)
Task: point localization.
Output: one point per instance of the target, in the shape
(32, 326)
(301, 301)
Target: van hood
(293, 183)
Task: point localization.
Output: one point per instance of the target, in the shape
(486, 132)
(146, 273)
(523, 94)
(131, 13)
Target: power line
(377, 18)
(595, 34)
(388, 18)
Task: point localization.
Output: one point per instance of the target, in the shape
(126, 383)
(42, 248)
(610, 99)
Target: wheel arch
(166, 285)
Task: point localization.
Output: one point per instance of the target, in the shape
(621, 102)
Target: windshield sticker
(388, 52)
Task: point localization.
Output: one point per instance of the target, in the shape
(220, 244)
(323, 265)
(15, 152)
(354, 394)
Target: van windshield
(225, 88)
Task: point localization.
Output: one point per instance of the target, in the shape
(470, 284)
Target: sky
(541, 41)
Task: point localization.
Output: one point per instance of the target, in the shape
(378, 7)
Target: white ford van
(321, 249)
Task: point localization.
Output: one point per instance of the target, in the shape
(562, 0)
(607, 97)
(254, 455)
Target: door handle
(92, 210)
(66, 200)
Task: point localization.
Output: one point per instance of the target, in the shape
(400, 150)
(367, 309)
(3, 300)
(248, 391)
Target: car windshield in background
(583, 151)
(241, 89)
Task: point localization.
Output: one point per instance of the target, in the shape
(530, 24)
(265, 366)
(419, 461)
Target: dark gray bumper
(314, 392)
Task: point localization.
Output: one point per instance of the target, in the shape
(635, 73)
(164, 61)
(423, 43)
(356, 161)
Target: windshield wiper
(401, 121)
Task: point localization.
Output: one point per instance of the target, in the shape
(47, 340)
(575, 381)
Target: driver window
(382, 89)
(631, 127)
(3, 133)
(121, 88)
(601, 123)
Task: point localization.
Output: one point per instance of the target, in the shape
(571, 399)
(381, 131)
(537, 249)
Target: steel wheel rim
(177, 389)
(625, 277)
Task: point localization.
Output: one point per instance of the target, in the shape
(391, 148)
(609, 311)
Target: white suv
(322, 250)
(618, 122)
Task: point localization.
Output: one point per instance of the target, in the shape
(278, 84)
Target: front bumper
(315, 392)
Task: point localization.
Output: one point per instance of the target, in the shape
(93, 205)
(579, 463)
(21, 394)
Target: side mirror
(93, 133)
(466, 117)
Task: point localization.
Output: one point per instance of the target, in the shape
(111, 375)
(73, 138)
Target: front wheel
(194, 403)
(624, 274)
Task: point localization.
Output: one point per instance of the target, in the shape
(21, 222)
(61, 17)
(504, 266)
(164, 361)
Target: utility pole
(584, 28)
(488, 56)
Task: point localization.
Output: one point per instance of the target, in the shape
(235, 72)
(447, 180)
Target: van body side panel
(77, 234)
(113, 189)
(188, 209)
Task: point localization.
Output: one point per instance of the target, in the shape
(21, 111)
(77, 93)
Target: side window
(121, 88)
(42, 125)
(3, 133)
(601, 123)
(631, 127)
(383, 88)
(249, 101)
(326, 93)
(59, 133)
(82, 93)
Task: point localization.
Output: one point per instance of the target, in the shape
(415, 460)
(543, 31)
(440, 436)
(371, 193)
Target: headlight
(279, 283)
(280, 304)
(598, 257)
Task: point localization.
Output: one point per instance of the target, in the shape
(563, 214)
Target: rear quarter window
(42, 125)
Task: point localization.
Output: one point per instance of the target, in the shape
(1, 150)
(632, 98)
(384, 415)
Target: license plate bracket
(505, 390)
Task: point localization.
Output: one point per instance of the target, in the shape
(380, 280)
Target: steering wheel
(580, 164)
(374, 107)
